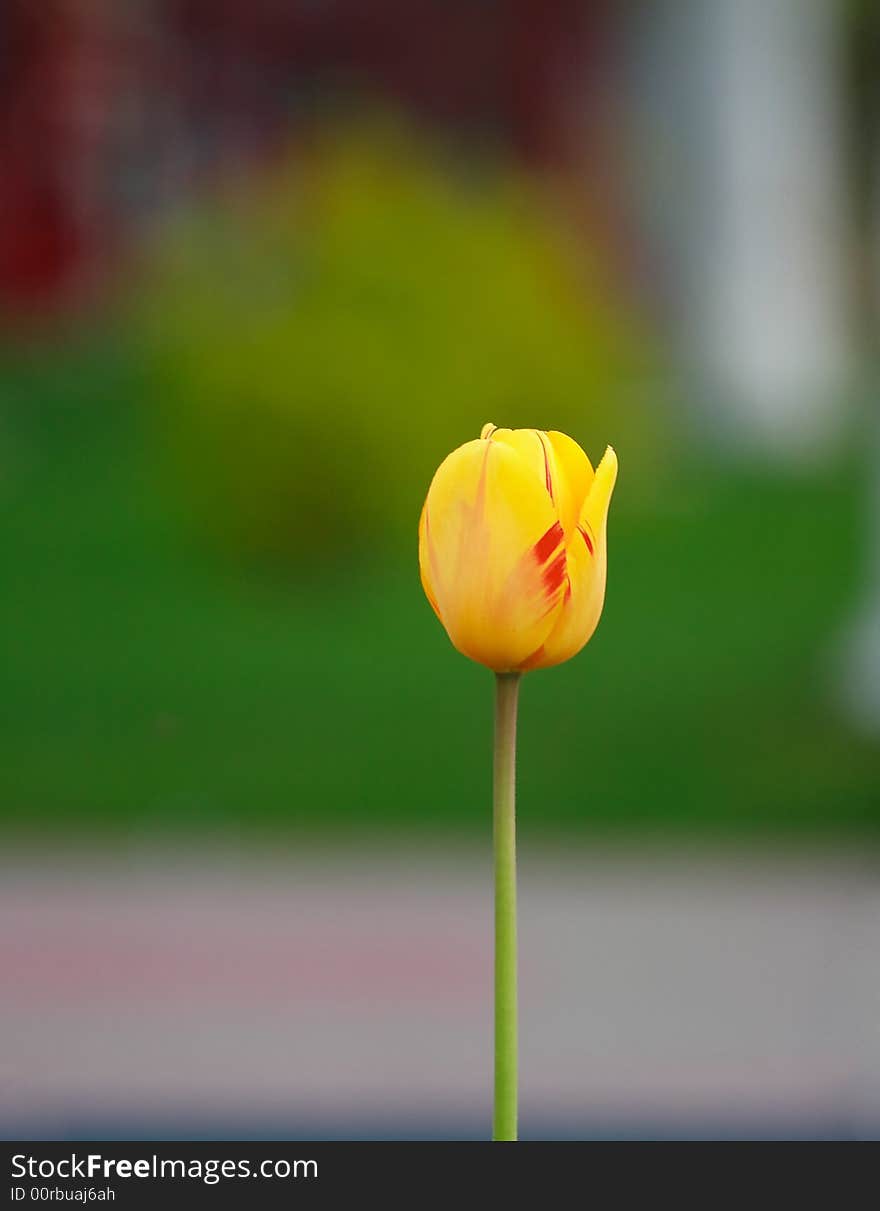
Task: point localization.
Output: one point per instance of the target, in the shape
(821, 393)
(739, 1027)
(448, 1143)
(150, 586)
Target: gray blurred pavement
(663, 992)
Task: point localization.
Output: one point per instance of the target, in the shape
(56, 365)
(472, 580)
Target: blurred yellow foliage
(323, 335)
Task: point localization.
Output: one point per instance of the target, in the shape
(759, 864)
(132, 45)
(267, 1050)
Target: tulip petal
(492, 554)
(574, 473)
(532, 444)
(558, 462)
(582, 608)
(425, 563)
(586, 562)
(595, 510)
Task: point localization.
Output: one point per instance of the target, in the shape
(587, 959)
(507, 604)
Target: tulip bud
(512, 547)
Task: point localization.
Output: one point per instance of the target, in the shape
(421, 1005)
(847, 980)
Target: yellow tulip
(512, 552)
(512, 547)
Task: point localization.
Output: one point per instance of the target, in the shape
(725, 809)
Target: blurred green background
(152, 682)
(231, 367)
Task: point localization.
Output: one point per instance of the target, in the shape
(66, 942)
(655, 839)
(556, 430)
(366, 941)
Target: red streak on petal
(533, 659)
(432, 562)
(554, 575)
(548, 478)
(480, 502)
(547, 545)
(586, 539)
(432, 602)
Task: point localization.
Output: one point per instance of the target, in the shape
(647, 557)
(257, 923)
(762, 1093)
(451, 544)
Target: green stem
(506, 693)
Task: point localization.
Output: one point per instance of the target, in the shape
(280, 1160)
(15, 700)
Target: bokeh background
(261, 267)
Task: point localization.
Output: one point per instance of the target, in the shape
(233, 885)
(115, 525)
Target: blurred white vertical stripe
(741, 110)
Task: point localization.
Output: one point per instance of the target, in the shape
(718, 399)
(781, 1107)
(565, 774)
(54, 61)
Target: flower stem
(504, 830)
